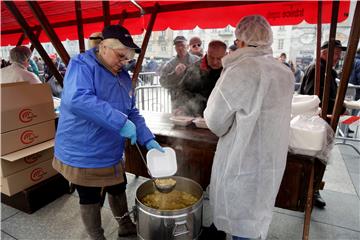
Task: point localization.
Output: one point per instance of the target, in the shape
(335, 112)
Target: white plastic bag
(305, 105)
(312, 136)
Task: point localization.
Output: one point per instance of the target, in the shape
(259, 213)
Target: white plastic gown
(249, 110)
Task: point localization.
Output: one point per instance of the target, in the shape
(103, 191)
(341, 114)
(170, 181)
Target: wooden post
(38, 32)
(318, 45)
(329, 61)
(347, 67)
(21, 39)
(26, 28)
(309, 204)
(45, 24)
(144, 47)
(123, 17)
(80, 26)
(106, 13)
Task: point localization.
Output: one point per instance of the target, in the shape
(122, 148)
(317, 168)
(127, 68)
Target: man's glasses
(196, 45)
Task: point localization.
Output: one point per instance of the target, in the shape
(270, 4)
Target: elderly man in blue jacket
(97, 114)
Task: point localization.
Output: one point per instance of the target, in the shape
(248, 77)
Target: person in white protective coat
(249, 110)
(17, 71)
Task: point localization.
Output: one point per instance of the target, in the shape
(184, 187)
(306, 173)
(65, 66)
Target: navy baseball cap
(122, 34)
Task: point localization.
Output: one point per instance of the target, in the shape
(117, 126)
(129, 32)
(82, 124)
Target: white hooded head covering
(254, 30)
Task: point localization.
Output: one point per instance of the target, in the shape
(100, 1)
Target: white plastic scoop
(163, 169)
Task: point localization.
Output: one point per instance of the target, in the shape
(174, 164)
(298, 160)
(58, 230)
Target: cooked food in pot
(165, 182)
(174, 200)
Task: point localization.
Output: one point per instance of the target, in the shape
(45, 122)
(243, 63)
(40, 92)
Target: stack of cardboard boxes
(27, 136)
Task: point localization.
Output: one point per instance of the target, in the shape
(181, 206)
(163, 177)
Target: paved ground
(339, 220)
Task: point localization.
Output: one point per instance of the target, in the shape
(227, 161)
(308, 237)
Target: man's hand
(180, 68)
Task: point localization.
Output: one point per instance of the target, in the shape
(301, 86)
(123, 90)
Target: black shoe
(349, 133)
(318, 201)
(211, 233)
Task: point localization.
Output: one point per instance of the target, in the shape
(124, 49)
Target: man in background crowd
(355, 74)
(307, 87)
(58, 64)
(95, 39)
(298, 74)
(232, 48)
(151, 65)
(4, 63)
(282, 59)
(39, 62)
(195, 46)
(17, 71)
(174, 70)
(201, 78)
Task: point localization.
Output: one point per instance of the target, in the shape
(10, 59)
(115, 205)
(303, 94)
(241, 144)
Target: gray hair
(116, 44)
(20, 54)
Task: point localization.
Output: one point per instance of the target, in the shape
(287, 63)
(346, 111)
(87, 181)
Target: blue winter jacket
(94, 107)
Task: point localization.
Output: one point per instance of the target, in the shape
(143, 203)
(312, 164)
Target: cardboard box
(37, 196)
(25, 158)
(25, 137)
(19, 181)
(24, 104)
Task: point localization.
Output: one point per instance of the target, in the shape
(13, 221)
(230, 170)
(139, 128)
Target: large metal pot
(154, 224)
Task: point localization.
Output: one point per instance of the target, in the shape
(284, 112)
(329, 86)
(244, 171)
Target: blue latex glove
(154, 144)
(129, 131)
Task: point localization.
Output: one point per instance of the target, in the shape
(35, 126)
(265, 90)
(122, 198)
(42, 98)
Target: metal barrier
(148, 78)
(153, 98)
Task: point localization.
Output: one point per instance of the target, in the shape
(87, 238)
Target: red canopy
(177, 15)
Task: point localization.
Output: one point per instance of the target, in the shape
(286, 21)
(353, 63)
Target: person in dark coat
(58, 64)
(307, 84)
(173, 72)
(307, 87)
(200, 79)
(355, 74)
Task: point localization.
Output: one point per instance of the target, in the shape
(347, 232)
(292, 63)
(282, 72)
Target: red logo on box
(28, 137)
(37, 174)
(26, 115)
(32, 158)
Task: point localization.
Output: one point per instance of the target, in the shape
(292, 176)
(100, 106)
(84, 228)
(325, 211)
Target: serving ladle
(161, 187)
